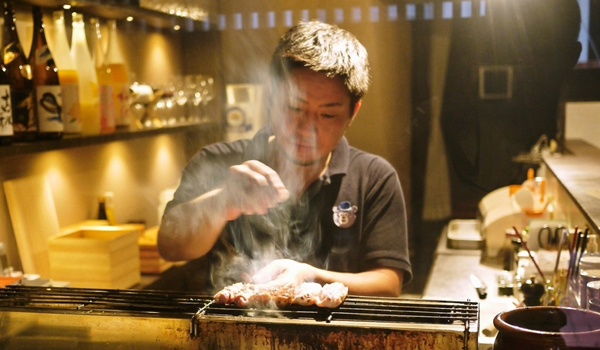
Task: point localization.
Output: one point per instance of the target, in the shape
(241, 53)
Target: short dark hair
(325, 48)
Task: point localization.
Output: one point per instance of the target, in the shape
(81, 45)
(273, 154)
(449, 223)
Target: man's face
(310, 115)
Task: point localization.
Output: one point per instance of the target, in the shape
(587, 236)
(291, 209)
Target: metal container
(465, 234)
(71, 318)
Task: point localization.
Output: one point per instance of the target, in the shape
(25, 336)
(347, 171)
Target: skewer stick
(574, 248)
(564, 239)
(584, 239)
(530, 255)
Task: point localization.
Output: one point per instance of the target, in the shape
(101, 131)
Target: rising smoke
(288, 231)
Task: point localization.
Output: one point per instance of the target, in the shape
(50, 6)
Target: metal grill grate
(183, 305)
(363, 309)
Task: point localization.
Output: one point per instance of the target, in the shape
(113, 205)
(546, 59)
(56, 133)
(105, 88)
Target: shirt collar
(340, 159)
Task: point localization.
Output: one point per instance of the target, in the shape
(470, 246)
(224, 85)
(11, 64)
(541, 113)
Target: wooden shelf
(120, 10)
(72, 141)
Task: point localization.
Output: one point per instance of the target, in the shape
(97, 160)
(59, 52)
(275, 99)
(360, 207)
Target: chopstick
(564, 238)
(575, 247)
(530, 255)
(584, 240)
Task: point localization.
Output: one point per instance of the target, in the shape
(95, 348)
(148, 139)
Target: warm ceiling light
(176, 27)
(129, 19)
(66, 6)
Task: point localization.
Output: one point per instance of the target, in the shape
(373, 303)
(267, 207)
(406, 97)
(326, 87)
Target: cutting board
(34, 221)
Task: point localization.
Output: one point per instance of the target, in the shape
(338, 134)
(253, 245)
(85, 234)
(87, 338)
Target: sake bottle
(6, 128)
(19, 77)
(47, 93)
(67, 75)
(120, 78)
(105, 83)
(88, 83)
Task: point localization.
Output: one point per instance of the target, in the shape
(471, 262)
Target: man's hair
(324, 48)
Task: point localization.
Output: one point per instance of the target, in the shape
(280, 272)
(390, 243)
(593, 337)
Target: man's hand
(284, 272)
(252, 188)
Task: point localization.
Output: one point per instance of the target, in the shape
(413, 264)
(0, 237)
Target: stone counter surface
(574, 181)
(449, 279)
(578, 173)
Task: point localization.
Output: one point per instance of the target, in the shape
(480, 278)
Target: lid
(589, 262)
(595, 285)
(590, 273)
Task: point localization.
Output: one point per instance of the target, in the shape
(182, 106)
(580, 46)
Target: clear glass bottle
(6, 128)
(120, 77)
(47, 92)
(105, 83)
(19, 75)
(88, 83)
(67, 75)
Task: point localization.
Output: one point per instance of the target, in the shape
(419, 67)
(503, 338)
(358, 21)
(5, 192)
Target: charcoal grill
(78, 318)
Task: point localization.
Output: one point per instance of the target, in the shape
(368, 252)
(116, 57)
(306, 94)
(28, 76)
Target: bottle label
(71, 112)
(122, 113)
(42, 55)
(49, 101)
(10, 52)
(6, 122)
(22, 106)
(107, 107)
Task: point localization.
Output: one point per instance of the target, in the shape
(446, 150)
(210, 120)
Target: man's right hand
(252, 188)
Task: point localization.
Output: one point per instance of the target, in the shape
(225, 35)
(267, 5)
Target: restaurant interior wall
(382, 126)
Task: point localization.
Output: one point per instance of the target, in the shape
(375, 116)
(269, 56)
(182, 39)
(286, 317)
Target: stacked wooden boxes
(150, 260)
(97, 256)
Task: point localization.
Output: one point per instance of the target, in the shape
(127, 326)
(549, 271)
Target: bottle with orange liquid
(105, 83)
(120, 77)
(67, 76)
(88, 83)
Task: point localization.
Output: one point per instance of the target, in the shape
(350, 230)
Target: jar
(547, 328)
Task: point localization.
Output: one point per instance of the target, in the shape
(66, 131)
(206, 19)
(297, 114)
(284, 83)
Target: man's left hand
(283, 272)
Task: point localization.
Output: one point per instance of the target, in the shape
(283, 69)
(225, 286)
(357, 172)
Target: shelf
(120, 10)
(68, 141)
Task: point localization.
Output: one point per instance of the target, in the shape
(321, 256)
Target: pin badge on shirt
(344, 214)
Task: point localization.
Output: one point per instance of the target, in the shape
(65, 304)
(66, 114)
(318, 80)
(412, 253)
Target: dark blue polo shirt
(370, 230)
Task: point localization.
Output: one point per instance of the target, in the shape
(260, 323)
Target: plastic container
(464, 234)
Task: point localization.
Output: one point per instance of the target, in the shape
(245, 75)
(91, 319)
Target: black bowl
(547, 327)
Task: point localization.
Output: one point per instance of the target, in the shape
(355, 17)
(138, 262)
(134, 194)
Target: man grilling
(296, 203)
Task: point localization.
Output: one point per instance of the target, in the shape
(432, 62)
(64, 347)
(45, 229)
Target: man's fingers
(282, 194)
(254, 188)
(246, 278)
(268, 273)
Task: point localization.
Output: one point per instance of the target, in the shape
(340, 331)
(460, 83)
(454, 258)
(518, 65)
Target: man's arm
(189, 230)
(376, 282)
